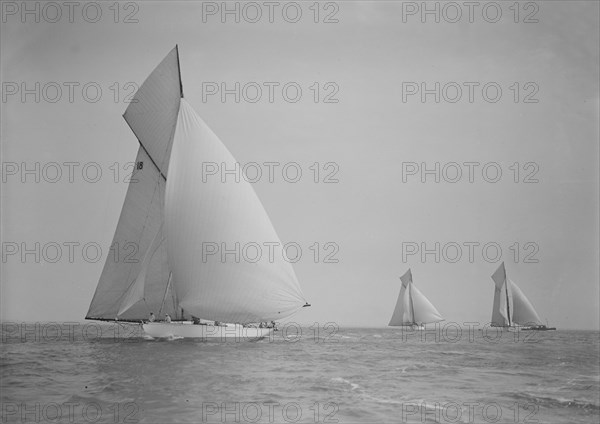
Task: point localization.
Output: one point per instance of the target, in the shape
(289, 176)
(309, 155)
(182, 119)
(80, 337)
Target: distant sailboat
(413, 309)
(511, 308)
(170, 212)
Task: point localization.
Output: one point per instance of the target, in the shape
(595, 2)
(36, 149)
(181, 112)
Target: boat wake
(171, 338)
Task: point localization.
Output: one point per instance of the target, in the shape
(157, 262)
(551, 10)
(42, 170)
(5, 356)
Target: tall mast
(179, 71)
(412, 307)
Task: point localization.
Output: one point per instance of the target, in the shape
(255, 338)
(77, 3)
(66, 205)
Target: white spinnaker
(424, 311)
(499, 314)
(202, 212)
(523, 312)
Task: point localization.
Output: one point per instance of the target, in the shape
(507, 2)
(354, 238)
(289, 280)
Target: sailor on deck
(167, 318)
(152, 317)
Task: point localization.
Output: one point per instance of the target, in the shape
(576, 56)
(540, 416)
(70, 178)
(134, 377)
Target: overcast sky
(376, 130)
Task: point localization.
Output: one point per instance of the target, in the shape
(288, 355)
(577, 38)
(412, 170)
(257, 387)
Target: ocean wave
(369, 379)
(555, 402)
(353, 386)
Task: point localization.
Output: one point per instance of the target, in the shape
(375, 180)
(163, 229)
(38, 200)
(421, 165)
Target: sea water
(110, 373)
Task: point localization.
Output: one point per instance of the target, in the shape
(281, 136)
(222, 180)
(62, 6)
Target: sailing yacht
(169, 216)
(512, 310)
(413, 309)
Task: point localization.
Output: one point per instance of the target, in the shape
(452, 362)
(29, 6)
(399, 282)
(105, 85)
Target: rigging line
(174, 298)
(120, 299)
(146, 305)
(165, 295)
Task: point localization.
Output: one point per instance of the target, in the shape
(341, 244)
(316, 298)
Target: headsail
(152, 116)
(139, 222)
(511, 306)
(202, 211)
(500, 317)
(402, 312)
(412, 307)
(136, 290)
(424, 311)
(523, 311)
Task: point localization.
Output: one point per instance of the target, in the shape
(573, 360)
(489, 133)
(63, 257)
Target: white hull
(187, 329)
(512, 328)
(411, 327)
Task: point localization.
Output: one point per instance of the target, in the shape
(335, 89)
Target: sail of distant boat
(170, 212)
(511, 307)
(412, 307)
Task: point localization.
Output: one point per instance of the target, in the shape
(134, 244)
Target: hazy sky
(372, 134)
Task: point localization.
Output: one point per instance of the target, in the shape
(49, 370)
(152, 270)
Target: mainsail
(246, 284)
(172, 212)
(511, 307)
(412, 307)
